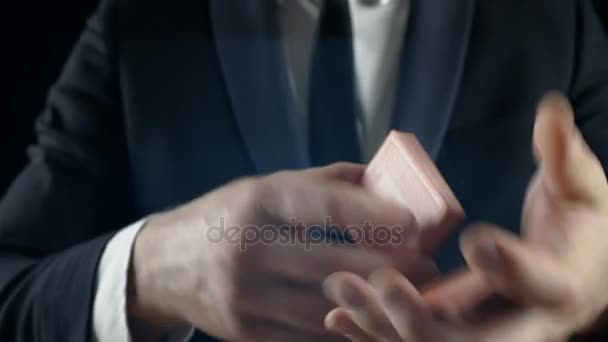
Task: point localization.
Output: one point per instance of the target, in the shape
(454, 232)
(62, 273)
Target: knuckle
(249, 190)
(275, 196)
(269, 200)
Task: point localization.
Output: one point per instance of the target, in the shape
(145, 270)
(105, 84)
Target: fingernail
(487, 255)
(352, 296)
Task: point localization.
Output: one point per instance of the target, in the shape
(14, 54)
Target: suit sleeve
(589, 91)
(60, 212)
(589, 95)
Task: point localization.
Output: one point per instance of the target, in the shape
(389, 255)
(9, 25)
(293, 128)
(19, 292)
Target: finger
(367, 215)
(316, 201)
(294, 305)
(540, 210)
(370, 220)
(457, 294)
(254, 329)
(348, 172)
(570, 170)
(516, 270)
(399, 240)
(419, 270)
(401, 246)
(521, 326)
(404, 306)
(312, 264)
(340, 321)
(355, 295)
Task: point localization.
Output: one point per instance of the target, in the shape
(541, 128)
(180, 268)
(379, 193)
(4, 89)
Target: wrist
(152, 311)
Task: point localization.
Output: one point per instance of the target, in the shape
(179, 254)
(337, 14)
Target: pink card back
(403, 172)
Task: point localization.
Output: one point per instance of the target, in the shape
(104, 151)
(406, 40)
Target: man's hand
(236, 282)
(553, 281)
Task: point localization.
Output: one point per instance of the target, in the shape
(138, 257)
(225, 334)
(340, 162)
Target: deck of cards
(404, 173)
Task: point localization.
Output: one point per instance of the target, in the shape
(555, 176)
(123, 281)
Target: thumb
(569, 169)
(516, 270)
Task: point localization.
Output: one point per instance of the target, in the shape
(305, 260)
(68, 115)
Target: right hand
(268, 291)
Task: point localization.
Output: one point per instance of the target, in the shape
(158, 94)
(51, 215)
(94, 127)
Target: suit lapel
(256, 75)
(431, 68)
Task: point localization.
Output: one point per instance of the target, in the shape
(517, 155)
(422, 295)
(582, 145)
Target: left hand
(555, 276)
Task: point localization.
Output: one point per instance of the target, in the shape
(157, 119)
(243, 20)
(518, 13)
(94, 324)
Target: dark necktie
(332, 128)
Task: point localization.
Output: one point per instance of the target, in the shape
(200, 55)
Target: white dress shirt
(378, 35)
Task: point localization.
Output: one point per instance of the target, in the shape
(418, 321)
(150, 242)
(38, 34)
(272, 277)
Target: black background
(37, 38)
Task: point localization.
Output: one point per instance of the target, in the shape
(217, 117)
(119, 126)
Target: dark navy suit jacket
(163, 101)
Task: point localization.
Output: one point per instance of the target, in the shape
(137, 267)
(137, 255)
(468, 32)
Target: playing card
(403, 172)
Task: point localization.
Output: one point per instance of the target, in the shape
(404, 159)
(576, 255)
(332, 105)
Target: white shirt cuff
(110, 323)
